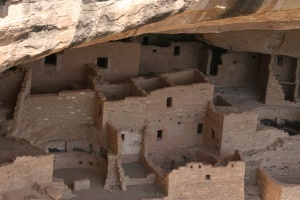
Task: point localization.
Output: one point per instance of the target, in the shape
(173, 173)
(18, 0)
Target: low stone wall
(26, 170)
(272, 189)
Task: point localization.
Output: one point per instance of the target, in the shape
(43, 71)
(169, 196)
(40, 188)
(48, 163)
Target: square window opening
(169, 102)
(102, 62)
(199, 128)
(207, 177)
(51, 59)
(176, 51)
(91, 163)
(280, 61)
(159, 135)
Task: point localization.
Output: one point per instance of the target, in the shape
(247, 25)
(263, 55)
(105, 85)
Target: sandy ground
(97, 192)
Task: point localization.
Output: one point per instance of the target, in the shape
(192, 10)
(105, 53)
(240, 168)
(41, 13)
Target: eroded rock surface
(33, 29)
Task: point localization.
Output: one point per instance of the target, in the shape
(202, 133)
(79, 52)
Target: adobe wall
(197, 181)
(10, 86)
(213, 129)
(157, 60)
(123, 63)
(66, 108)
(237, 69)
(126, 114)
(180, 121)
(236, 131)
(26, 170)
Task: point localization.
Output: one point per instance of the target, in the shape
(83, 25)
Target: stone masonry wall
(154, 57)
(26, 170)
(237, 69)
(65, 108)
(123, 63)
(198, 181)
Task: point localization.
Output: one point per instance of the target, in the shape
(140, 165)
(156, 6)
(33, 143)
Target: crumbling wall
(10, 86)
(157, 60)
(26, 170)
(65, 108)
(237, 69)
(197, 181)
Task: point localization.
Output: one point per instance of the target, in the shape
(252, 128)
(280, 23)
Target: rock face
(32, 29)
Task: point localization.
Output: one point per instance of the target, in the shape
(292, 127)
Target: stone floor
(97, 192)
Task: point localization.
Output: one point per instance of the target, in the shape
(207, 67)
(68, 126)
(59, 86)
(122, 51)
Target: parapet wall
(26, 170)
(198, 181)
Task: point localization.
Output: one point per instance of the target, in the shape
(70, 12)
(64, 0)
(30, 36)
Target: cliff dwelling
(149, 100)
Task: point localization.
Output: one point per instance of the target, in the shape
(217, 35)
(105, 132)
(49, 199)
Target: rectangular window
(199, 128)
(123, 136)
(176, 51)
(169, 102)
(102, 62)
(280, 60)
(212, 133)
(159, 135)
(51, 59)
(207, 177)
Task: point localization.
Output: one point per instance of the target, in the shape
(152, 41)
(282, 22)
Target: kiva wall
(26, 170)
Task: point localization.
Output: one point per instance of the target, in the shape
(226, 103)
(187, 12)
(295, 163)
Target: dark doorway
(51, 59)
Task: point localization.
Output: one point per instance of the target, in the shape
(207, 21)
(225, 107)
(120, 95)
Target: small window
(154, 51)
(212, 133)
(234, 62)
(123, 136)
(179, 123)
(176, 50)
(159, 135)
(100, 110)
(207, 177)
(80, 162)
(169, 102)
(280, 60)
(51, 59)
(199, 128)
(102, 62)
(91, 163)
(145, 40)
